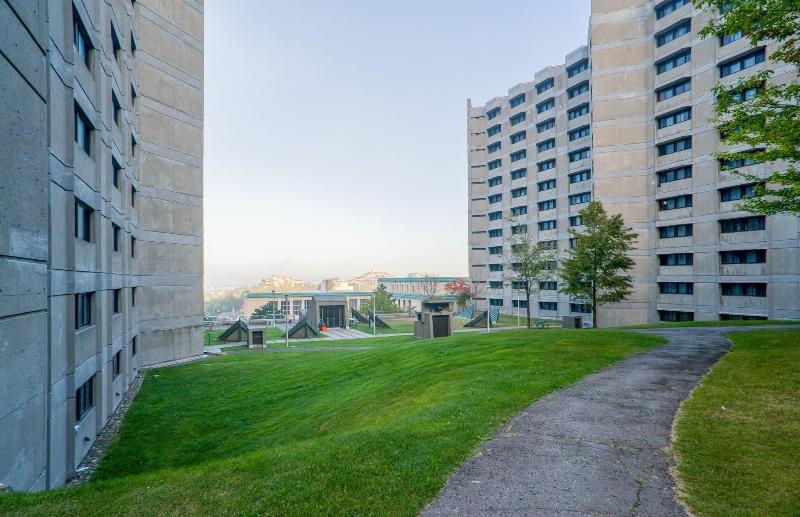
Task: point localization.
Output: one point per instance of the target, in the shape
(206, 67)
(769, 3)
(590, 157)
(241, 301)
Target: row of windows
(673, 33)
(675, 146)
(546, 145)
(545, 125)
(83, 227)
(83, 306)
(578, 111)
(669, 7)
(580, 154)
(739, 224)
(680, 58)
(546, 105)
(578, 89)
(578, 67)
(726, 289)
(579, 133)
(581, 308)
(84, 395)
(673, 203)
(676, 117)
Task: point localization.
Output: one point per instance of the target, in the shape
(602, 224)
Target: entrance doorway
(441, 326)
(332, 316)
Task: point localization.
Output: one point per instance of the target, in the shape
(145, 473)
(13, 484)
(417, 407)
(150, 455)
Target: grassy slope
(271, 333)
(730, 323)
(355, 433)
(745, 459)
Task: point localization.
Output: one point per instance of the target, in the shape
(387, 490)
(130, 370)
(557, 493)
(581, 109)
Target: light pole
(272, 304)
(286, 318)
(518, 304)
(374, 322)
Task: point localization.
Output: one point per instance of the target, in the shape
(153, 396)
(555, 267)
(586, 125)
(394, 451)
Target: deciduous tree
(528, 264)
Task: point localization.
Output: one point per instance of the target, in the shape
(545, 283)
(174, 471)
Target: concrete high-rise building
(626, 120)
(101, 149)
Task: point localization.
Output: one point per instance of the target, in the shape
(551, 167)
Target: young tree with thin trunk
(528, 264)
(594, 273)
(757, 112)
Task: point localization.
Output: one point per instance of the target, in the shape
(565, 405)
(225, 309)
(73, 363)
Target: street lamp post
(286, 318)
(272, 304)
(374, 321)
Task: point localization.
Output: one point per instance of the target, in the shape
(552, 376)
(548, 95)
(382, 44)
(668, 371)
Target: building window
(116, 46)
(744, 289)
(551, 285)
(675, 146)
(746, 94)
(492, 113)
(741, 63)
(679, 173)
(116, 170)
(519, 155)
(83, 45)
(573, 242)
(518, 174)
(729, 164)
(575, 220)
(522, 304)
(134, 346)
(494, 147)
(676, 117)
(545, 125)
(577, 177)
(581, 308)
(546, 165)
(547, 205)
(743, 257)
(578, 89)
(740, 317)
(676, 259)
(578, 133)
(675, 316)
(495, 284)
(673, 33)
(674, 203)
(743, 224)
(84, 399)
(671, 90)
(519, 229)
(519, 210)
(577, 199)
(517, 119)
(678, 230)
(547, 185)
(545, 85)
(493, 130)
(545, 105)
(547, 225)
(495, 267)
(580, 111)
(547, 144)
(133, 246)
(495, 198)
(496, 232)
(580, 154)
(517, 101)
(674, 61)
(495, 250)
(494, 216)
(676, 288)
(116, 365)
(83, 310)
(548, 245)
(495, 302)
(548, 306)
(518, 137)
(729, 38)
(497, 180)
(133, 296)
(115, 234)
(578, 67)
(519, 192)
(669, 7)
(738, 192)
(83, 221)
(117, 300)
(83, 131)
(117, 109)
(133, 196)
(494, 164)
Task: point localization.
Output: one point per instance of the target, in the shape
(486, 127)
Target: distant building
(409, 291)
(284, 284)
(334, 284)
(368, 281)
(293, 303)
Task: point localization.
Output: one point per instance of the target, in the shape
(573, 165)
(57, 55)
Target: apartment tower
(101, 147)
(626, 120)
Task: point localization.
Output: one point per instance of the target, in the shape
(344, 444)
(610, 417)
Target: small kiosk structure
(435, 319)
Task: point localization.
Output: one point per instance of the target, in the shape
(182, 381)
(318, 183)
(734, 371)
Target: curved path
(599, 447)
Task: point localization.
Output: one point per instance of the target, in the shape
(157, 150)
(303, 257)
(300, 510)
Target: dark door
(441, 326)
(332, 315)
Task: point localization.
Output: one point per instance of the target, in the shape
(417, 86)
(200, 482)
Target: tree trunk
(528, 306)
(594, 307)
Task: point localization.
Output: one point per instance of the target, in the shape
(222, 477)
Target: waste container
(572, 322)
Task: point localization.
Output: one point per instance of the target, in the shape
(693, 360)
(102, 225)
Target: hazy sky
(335, 131)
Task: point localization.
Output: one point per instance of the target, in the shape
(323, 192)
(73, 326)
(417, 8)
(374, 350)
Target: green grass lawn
(210, 336)
(349, 433)
(397, 325)
(728, 323)
(738, 436)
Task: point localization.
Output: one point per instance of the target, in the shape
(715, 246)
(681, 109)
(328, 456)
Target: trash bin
(572, 322)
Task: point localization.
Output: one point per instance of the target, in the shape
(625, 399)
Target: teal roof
(310, 294)
(421, 279)
(407, 296)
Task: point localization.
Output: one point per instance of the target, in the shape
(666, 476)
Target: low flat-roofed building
(408, 292)
(293, 303)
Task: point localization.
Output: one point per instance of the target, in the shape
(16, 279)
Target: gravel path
(600, 447)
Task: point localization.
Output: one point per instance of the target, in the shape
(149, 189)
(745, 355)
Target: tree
(594, 273)
(529, 263)
(755, 112)
(382, 300)
(429, 285)
(264, 312)
(460, 289)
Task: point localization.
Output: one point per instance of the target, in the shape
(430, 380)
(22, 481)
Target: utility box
(435, 319)
(572, 322)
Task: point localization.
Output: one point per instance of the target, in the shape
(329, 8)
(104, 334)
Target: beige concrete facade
(107, 269)
(635, 157)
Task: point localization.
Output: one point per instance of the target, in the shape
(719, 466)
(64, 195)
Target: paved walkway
(600, 447)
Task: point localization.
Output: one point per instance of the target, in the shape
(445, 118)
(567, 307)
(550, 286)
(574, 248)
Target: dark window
(744, 289)
(518, 285)
(83, 131)
(578, 89)
(519, 229)
(519, 174)
(743, 257)
(115, 234)
(497, 180)
(547, 185)
(84, 399)
(493, 147)
(547, 205)
(117, 300)
(117, 109)
(516, 119)
(522, 304)
(577, 68)
(676, 117)
(134, 346)
(575, 220)
(669, 7)
(494, 216)
(116, 365)
(582, 308)
(547, 144)
(741, 63)
(676, 316)
(547, 225)
(133, 196)
(519, 155)
(495, 250)
(746, 94)
(495, 302)
(682, 144)
(548, 286)
(519, 210)
(133, 296)
(546, 165)
(116, 46)
(676, 174)
(673, 203)
(579, 133)
(494, 129)
(83, 45)
(729, 164)
(580, 154)
(678, 230)
(494, 164)
(83, 221)
(133, 246)
(674, 61)
(492, 113)
(518, 137)
(545, 85)
(548, 306)
(495, 198)
(548, 245)
(577, 199)
(134, 143)
(83, 310)
(676, 288)
(545, 105)
(577, 177)
(740, 317)
(671, 90)
(116, 171)
(743, 224)
(676, 259)
(519, 192)
(517, 101)
(545, 125)
(495, 267)
(727, 39)
(580, 111)
(673, 33)
(495, 284)
(737, 192)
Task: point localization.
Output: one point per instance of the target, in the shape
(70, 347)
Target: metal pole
(286, 319)
(488, 311)
(374, 323)
(518, 304)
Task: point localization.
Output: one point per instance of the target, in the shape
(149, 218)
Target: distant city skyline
(331, 128)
